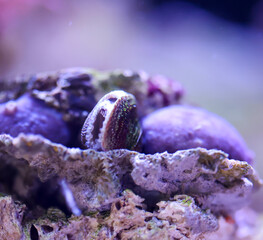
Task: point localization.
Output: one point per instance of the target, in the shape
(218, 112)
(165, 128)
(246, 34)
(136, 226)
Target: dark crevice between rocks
(70, 236)
(228, 184)
(49, 194)
(118, 205)
(46, 229)
(23, 184)
(7, 173)
(118, 236)
(34, 233)
(151, 198)
(75, 139)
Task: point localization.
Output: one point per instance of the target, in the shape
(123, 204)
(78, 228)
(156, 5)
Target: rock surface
(178, 218)
(96, 178)
(75, 91)
(60, 192)
(126, 220)
(11, 215)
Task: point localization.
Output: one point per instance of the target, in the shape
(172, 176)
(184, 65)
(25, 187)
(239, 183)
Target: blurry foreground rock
(11, 216)
(215, 186)
(59, 192)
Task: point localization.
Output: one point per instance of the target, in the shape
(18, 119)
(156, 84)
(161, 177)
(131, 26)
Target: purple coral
(32, 116)
(183, 127)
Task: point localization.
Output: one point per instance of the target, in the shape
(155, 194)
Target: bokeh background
(214, 48)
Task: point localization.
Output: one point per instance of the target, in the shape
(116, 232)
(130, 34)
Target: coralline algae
(181, 127)
(31, 116)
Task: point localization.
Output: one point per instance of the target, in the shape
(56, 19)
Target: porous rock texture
(11, 215)
(126, 220)
(178, 218)
(96, 178)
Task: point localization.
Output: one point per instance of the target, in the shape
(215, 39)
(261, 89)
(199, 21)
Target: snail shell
(113, 123)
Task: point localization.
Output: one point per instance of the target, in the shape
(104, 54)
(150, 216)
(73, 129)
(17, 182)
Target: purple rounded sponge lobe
(181, 127)
(31, 116)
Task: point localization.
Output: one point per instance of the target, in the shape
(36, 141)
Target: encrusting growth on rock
(180, 127)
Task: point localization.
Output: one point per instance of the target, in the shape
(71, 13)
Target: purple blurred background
(214, 48)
